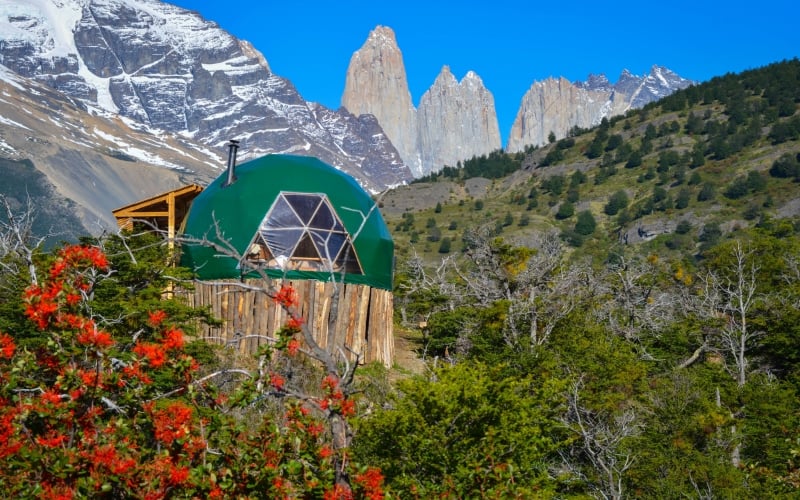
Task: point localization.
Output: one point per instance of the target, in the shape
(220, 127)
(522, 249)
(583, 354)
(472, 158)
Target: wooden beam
(134, 213)
(171, 222)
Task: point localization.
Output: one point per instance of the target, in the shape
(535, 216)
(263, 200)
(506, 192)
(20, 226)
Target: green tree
(756, 181)
(786, 166)
(573, 195)
(444, 246)
(617, 202)
(634, 160)
(614, 142)
(698, 157)
(577, 178)
(586, 223)
(683, 227)
(682, 201)
(438, 432)
(706, 192)
(554, 184)
(565, 210)
(737, 189)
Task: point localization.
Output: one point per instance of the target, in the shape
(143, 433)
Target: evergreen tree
(565, 210)
(586, 223)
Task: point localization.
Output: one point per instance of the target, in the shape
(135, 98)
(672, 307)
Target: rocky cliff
(457, 120)
(454, 121)
(376, 84)
(557, 106)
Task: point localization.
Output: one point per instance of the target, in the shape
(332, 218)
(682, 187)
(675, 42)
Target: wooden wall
(363, 321)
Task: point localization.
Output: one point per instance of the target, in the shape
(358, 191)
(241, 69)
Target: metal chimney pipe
(233, 145)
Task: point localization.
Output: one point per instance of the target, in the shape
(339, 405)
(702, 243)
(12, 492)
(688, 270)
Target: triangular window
(301, 231)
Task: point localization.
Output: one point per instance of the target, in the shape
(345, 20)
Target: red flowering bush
(82, 417)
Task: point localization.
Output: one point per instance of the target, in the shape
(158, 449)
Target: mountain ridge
(432, 135)
(170, 70)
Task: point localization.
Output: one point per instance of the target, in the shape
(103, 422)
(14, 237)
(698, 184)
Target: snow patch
(8, 121)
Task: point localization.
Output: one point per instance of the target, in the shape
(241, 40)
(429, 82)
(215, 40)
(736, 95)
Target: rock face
(454, 122)
(556, 105)
(376, 84)
(168, 69)
(77, 166)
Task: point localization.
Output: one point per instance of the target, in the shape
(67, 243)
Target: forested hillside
(615, 315)
(628, 297)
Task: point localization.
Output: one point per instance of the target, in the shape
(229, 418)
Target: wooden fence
(362, 322)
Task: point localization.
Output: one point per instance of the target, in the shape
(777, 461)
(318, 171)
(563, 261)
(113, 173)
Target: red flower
(92, 337)
(172, 422)
(339, 492)
(123, 466)
(156, 317)
(178, 475)
(372, 481)
(80, 255)
(154, 353)
(52, 440)
(135, 371)
(330, 382)
(325, 452)
(52, 397)
(276, 381)
(315, 429)
(295, 323)
(51, 492)
(348, 407)
(293, 347)
(172, 339)
(7, 346)
(92, 378)
(105, 456)
(286, 296)
(40, 312)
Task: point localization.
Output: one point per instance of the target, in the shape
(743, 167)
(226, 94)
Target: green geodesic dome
(290, 216)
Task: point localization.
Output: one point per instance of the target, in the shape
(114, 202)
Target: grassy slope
(509, 195)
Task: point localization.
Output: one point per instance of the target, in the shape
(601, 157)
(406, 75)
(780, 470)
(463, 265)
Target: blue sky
(511, 44)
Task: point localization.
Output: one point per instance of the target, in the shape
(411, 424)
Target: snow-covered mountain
(117, 100)
(169, 70)
(557, 105)
(77, 166)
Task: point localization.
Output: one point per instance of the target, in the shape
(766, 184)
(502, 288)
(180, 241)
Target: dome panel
(254, 217)
(282, 215)
(304, 205)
